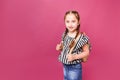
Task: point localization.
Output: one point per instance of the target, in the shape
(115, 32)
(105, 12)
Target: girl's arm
(83, 54)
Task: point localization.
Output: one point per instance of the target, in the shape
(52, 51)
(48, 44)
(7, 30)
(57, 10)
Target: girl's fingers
(58, 47)
(69, 57)
(61, 42)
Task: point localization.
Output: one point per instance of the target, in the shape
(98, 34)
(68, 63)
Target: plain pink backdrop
(30, 30)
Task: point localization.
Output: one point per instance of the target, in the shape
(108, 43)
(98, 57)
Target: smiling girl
(72, 63)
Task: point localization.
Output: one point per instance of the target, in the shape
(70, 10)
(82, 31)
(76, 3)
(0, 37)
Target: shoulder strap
(76, 40)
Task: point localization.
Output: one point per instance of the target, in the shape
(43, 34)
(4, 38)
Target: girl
(72, 66)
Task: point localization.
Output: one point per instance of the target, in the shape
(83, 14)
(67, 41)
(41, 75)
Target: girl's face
(71, 22)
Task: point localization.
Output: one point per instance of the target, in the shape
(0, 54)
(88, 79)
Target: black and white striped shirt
(77, 49)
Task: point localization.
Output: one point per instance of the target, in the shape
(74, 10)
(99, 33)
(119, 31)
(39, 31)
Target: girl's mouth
(70, 27)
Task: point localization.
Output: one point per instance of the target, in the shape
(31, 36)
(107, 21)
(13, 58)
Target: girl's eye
(74, 21)
(67, 21)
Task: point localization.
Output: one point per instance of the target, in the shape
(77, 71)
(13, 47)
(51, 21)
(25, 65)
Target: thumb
(61, 42)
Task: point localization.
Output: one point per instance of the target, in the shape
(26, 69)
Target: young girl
(72, 62)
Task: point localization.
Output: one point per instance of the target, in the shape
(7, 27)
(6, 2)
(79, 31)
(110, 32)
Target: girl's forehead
(70, 16)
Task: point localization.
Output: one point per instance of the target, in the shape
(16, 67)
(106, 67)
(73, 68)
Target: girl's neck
(72, 34)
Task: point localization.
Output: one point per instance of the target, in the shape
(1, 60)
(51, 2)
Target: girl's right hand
(59, 46)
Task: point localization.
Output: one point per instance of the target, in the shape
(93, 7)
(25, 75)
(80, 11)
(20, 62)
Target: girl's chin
(71, 30)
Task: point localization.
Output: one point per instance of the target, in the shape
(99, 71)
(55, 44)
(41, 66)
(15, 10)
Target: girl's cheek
(75, 24)
(66, 25)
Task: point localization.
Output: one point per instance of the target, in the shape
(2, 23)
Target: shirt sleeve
(84, 40)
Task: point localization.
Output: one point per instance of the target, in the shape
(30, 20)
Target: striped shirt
(77, 49)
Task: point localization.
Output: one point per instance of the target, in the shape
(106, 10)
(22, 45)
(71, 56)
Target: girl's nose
(70, 24)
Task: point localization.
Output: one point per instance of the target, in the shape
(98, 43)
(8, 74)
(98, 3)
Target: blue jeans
(72, 71)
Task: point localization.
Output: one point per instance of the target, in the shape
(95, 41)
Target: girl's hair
(66, 31)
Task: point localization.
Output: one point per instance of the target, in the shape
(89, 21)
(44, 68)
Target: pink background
(30, 30)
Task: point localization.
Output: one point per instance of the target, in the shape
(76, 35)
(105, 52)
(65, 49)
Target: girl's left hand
(71, 57)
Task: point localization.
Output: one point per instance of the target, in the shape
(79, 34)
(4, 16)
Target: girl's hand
(71, 57)
(59, 46)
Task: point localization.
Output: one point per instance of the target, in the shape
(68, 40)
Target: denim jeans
(72, 71)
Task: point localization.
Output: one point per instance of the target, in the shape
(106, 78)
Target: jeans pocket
(77, 66)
